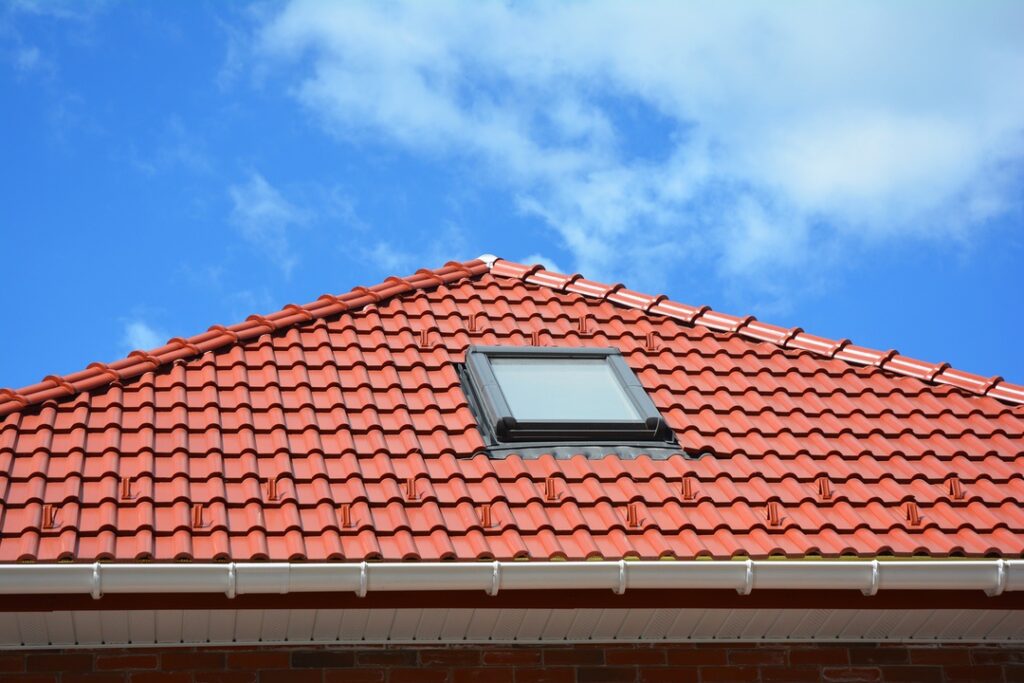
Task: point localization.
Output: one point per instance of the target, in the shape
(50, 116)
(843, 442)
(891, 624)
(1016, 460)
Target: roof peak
(751, 328)
(218, 336)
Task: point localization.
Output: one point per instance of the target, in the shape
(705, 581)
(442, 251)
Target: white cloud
(27, 58)
(265, 219)
(429, 249)
(139, 335)
(388, 258)
(768, 129)
(547, 262)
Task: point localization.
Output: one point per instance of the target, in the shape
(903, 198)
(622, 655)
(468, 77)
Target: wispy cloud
(58, 9)
(138, 334)
(772, 134)
(174, 147)
(546, 261)
(432, 248)
(265, 219)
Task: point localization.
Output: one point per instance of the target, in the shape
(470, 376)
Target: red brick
(323, 659)
(354, 676)
(997, 655)
(13, 662)
(850, 675)
(255, 659)
(59, 662)
(93, 677)
(636, 655)
(161, 677)
(418, 675)
(697, 656)
(483, 675)
(225, 676)
(125, 662)
(730, 674)
(459, 657)
(573, 657)
(190, 661)
(770, 656)
(827, 656)
(606, 674)
(29, 678)
(940, 655)
(549, 675)
(668, 674)
(512, 656)
(872, 655)
(789, 674)
(982, 673)
(397, 657)
(912, 674)
(291, 676)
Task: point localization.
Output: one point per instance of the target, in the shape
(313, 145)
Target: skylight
(544, 394)
(562, 389)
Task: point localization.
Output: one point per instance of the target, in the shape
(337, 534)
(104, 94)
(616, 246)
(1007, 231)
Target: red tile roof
(339, 430)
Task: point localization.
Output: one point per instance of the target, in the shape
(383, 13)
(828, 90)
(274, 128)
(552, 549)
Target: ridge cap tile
(717, 321)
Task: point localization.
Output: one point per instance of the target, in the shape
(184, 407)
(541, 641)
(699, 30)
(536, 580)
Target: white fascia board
(236, 578)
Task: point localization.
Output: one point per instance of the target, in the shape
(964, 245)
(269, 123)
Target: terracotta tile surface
(339, 430)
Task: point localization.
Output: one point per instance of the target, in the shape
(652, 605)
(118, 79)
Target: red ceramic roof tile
(339, 431)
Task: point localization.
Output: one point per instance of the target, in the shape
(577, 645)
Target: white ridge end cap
(489, 259)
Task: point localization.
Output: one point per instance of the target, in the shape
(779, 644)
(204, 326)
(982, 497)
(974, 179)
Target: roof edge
(751, 328)
(993, 576)
(218, 336)
(139, 362)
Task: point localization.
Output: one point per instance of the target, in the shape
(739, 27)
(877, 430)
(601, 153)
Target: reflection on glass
(567, 389)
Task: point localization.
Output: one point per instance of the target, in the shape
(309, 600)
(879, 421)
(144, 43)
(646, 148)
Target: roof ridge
(751, 328)
(139, 362)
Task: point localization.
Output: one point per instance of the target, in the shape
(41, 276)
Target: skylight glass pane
(562, 389)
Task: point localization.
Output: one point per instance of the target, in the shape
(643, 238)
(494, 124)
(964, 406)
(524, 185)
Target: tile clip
(550, 492)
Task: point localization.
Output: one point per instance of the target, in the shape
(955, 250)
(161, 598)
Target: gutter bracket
(232, 581)
(97, 582)
(363, 580)
(495, 579)
(621, 588)
(748, 578)
(872, 589)
(1001, 579)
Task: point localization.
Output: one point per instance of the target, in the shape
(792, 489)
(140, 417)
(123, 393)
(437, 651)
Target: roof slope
(338, 430)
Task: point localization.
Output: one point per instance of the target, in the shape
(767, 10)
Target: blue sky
(855, 170)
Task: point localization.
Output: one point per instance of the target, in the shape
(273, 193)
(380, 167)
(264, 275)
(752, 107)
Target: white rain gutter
(994, 577)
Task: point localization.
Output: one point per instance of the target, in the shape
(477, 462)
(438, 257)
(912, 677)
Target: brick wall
(523, 664)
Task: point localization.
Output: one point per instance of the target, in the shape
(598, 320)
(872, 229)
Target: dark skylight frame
(640, 421)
